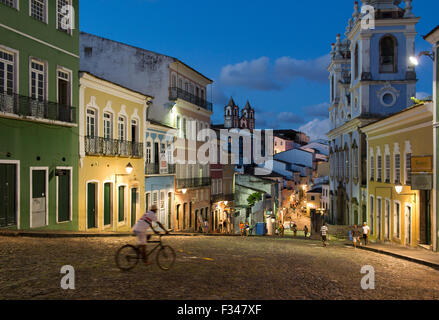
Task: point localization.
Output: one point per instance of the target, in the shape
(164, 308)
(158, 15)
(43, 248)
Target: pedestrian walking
(305, 230)
(366, 231)
(247, 229)
(356, 234)
(324, 232)
(241, 227)
(281, 230)
(295, 230)
(226, 231)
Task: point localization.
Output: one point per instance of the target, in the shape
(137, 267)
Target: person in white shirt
(324, 232)
(144, 225)
(366, 231)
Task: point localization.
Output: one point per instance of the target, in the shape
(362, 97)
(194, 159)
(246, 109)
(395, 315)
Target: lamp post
(414, 60)
(128, 169)
(398, 189)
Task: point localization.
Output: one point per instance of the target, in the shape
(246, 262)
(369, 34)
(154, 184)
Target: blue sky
(273, 53)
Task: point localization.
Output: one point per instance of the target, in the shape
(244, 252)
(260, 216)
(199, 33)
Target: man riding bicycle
(143, 225)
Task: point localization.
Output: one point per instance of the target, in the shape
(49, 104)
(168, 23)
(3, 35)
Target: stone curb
(97, 235)
(399, 256)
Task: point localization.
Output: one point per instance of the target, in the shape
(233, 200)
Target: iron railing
(154, 168)
(98, 146)
(177, 93)
(193, 183)
(222, 197)
(28, 107)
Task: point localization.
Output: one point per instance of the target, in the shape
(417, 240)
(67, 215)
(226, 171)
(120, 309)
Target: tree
(253, 198)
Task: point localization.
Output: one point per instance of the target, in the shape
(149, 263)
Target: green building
(39, 88)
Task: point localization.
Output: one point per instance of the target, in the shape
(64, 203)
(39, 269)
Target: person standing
(324, 232)
(366, 231)
(305, 230)
(356, 234)
(295, 230)
(281, 230)
(241, 227)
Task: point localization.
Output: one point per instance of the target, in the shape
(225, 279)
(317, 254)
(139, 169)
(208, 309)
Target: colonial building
(400, 168)
(39, 63)
(111, 173)
(433, 38)
(232, 120)
(370, 78)
(180, 103)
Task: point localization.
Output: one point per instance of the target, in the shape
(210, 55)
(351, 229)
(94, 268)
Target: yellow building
(400, 149)
(111, 170)
(313, 202)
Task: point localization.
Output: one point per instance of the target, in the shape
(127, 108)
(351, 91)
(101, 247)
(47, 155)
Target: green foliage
(253, 198)
(417, 101)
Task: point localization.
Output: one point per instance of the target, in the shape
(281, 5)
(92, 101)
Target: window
(108, 126)
(372, 168)
(387, 166)
(38, 90)
(397, 168)
(397, 220)
(347, 164)
(11, 3)
(38, 9)
(148, 152)
(121, 129)
(91, 123)
(355, 156)
(388, 56)
(155, 199)
(63, 14)
(372, 214)
(7, 72)
(174, 81)
(180, 84)
(379, 168)
(184, 128)
(64, 88)
(356, 62)
(408, 169)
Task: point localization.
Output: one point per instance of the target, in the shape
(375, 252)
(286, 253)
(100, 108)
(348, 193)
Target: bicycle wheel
(165, 258)
(127, 257)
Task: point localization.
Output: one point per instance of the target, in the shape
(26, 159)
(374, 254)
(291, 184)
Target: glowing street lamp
(398, 188)
(129, 168)
(414, 60)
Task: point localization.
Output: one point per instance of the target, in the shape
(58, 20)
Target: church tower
(231, 115)
(382, 79)
(247, 120)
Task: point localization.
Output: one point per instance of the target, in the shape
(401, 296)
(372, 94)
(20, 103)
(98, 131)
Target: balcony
(177, 93)
(192, 183)
(222, 197)
(154, 169)
(97, 146)
(27, 107)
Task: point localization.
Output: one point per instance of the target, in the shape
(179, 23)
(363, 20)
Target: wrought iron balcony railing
(28, 107)
(193, 183)
(222, 197)
(177, 93)
(154, 169)
(98, 146)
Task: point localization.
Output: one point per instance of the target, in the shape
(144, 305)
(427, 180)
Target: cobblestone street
(208, 268)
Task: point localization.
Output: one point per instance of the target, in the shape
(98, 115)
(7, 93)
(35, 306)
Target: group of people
(356, 233)
(244, 228)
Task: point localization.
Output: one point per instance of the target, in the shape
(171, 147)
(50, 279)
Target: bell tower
(231, 115)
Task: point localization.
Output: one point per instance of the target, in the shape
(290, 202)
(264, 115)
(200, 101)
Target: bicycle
(128, 256)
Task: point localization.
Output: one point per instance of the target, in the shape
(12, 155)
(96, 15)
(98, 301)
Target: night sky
(273, 53)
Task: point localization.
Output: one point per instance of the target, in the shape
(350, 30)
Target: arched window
(388, 55)
(356, 61)
(332, 88)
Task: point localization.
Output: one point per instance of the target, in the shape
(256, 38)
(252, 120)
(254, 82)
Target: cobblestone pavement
(208, 268)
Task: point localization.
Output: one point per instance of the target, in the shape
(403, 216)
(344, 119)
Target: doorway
(425, 218)
(387, 220)
(133, 206)
(108, 207)
(91, 205)
(39, 197)
(408, 225)
(8, 195)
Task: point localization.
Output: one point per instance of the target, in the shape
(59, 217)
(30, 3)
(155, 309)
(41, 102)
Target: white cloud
(261, 74)
(253, 74)
(319, 110)
(422, 95)
(287, 68)
(316, 129)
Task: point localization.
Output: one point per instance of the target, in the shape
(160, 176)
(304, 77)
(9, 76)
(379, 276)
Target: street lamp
(398, 188)
(414, 60)
(128, 169)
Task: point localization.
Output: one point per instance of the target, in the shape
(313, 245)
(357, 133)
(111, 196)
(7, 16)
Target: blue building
(370, 78)
(159, 171)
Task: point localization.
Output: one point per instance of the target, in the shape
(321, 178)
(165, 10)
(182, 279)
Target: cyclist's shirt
(145, 222)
